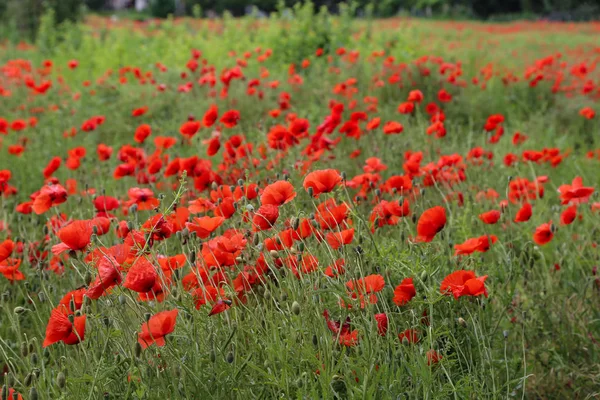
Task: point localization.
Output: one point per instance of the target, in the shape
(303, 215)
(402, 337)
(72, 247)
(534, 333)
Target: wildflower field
(316, 207)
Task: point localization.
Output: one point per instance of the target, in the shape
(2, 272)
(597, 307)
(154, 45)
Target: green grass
(535, 336)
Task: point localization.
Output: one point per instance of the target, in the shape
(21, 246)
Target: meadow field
(304, 206)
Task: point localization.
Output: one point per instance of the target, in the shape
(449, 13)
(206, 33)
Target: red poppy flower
(339, 239)
(322, 181)
(410, 335)
(430, 223)
(75, 236)
(190, 128)
(138, 112)
(393, 127)
(480, 244)
(464, 283)
(204, 226)
(141, 276)
(157, 327)
(52, 166)
(382, 323)
(278, 193)
(433, 357)
(230, 118)
(60, 328)
(265, 217)
(543, 234)
(6, 249)
(490, 217)
(142, 132)
(48, 197)
(368, 285)
(404, 292)
(108, 276)
(575, 193)
(566, 218)
(210, 116)
(524, 213)
(9, 268)
(144, 198)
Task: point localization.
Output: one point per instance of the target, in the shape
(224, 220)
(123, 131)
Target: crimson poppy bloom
(265, 217)
(322, 181)
(409, 335)
(204, 226)
(157, 327)
(48, 197)
(430, 223)
(142, 132)
(230, 118)
(60, 328)
(382, 323)
(543, 234)
(190, 128)
(6, 249)
(568, 215)
(480, 244)
(278, 193)
(575, 193)
(404, 292)
(490, 217)
(464, 283)
(141, 276)
(76, 236)
(524, 213)
(339, 239)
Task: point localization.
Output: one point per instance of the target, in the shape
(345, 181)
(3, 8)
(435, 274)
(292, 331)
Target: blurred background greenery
(25, 16)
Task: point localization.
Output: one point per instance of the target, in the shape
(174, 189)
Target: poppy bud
(505, 334)
(19, 310)
(343, 175)
(229, 358)
(88, 278)
(24, 349)
(235, 206)
(61, 380)
(273, 253)
(42, 297)
(256, 240)
(28, 379)
(31, 347)
(553, 228)
(33, 394)
(133, 208)
(214, 186)
(34, 358)
(161, 196)
(284, 296)
(239, 260)
(130, 226)
(267, 294)
(192, 257)
(296, 308)
(337, 384)
(315, 340)
(122, 299)
(249, 207)
(301, 246)
(137, 350)
(147, 316)
(106, 321)
(462, 322)
(414, 218)
(213, 356)
(378, 192)
(311, 191)
(4, 392)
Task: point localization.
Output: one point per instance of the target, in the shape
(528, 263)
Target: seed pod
(28, 379)
(505, 334)
(296, 308)
(315, 340)
(462, 322)
(24, 349)
(192, 257)
(61, 380)
(230, 357)
(33, 358)
(310, 191)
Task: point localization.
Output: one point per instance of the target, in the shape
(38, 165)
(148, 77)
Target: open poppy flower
(204, 226)
(60, 328)
(76, 236)
(9, 268)
(49, 196)
(141, 276)
(404, 292)
(265, 217)
(157, 327)
(339, 239)
(543, 234)
(479, 244)
(464, 283)
(430, 223)
(322, 181)
(524, 213)
(490, 217)
(6, 249)
(278, 193)
(575, 193)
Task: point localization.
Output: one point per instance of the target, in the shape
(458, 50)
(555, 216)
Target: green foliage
(162, 8)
